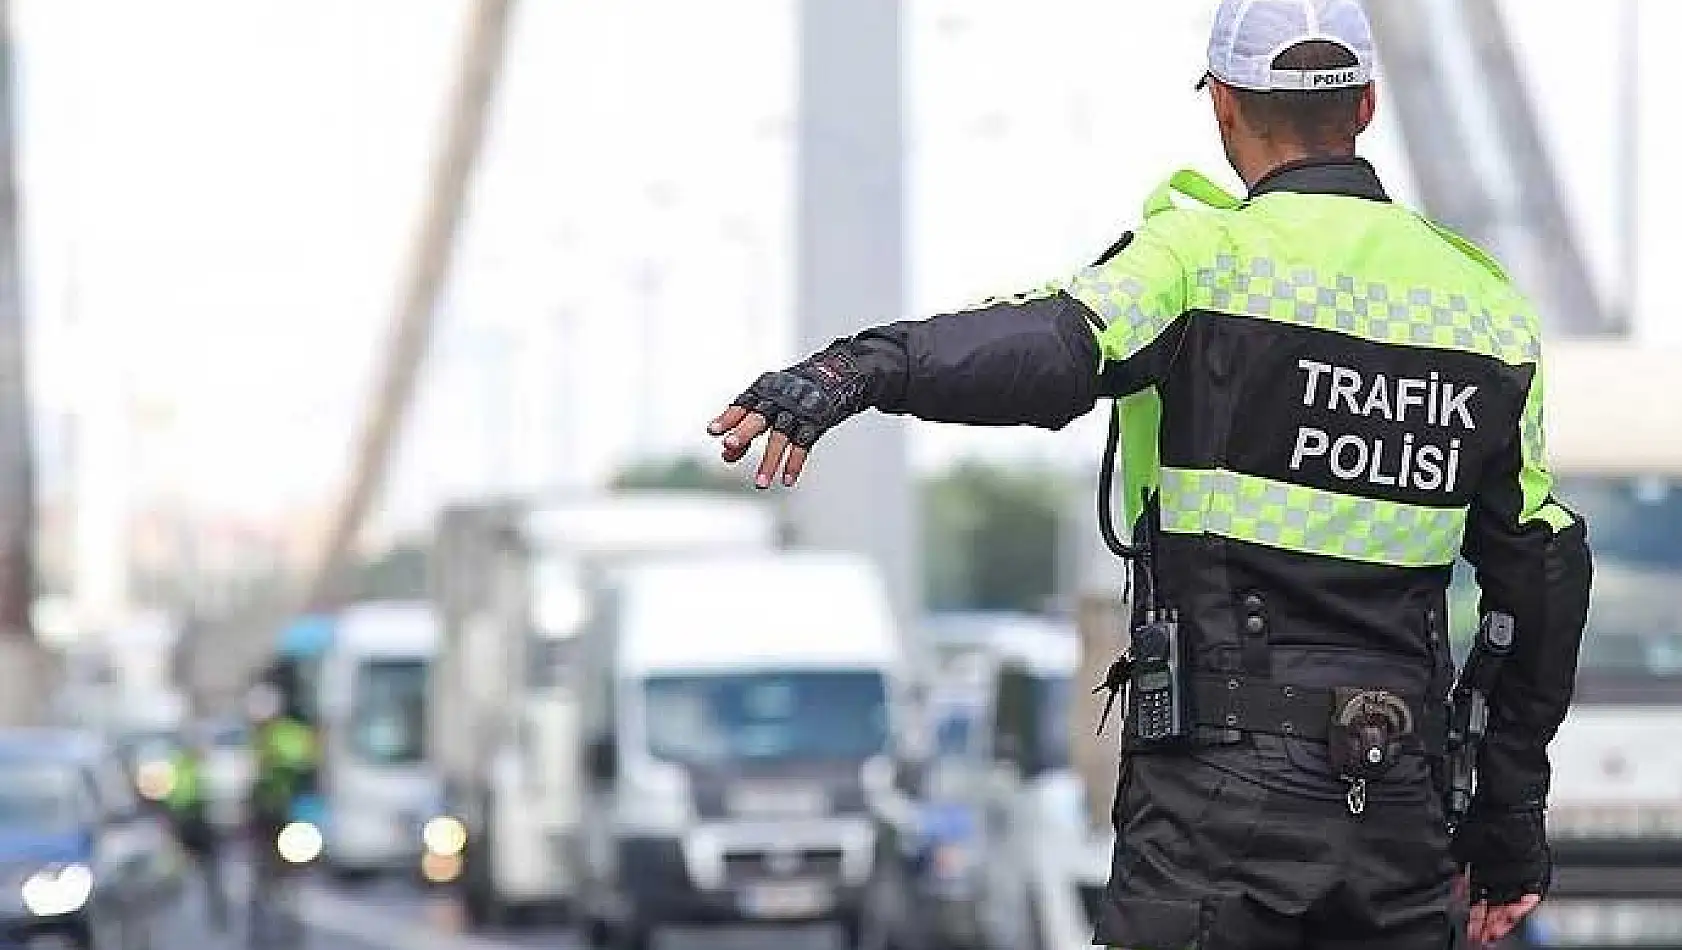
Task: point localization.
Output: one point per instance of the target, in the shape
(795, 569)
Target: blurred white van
(741, 718)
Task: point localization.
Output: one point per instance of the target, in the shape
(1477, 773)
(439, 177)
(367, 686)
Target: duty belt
(1235, 703)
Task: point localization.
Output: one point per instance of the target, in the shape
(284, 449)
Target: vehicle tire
(98, 933)
(479, 906)
(595, 932)
(558, 913)
(1036, 925)
(634, 936)
(483, 909)
(863, 931)
(870, 927)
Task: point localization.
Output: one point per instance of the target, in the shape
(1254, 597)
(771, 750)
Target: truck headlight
(444, 835)
(298, 843)
(58, 890)
(440, 868)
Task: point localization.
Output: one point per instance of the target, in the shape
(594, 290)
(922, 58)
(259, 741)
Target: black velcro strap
(1235, 702)
(1297, 712)
(1257, 655)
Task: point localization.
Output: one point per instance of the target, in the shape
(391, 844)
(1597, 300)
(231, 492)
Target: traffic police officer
(1323, 398)
(285, 751)
(189, 812)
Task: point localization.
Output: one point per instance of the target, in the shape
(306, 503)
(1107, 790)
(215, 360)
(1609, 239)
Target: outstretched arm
(1039, 359)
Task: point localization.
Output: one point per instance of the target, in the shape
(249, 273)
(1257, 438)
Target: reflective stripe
(185, 791)
(1141, 450)
(1536, 483)
(1044, 292)
(1141, 291)
(1383, 313)
(1556, 517)
(1120, 303)
(1307, 520)
(286, 744)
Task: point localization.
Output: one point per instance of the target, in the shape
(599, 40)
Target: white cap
(1250, 34)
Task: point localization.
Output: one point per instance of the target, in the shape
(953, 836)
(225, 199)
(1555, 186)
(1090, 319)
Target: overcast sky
(218, 194)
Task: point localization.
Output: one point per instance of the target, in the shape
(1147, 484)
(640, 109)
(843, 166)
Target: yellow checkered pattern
(1407, 316)
(1307, 520)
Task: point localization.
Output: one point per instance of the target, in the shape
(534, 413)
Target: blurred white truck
(378, 784)
(738, 741)
(1615, 808)
(509, 586)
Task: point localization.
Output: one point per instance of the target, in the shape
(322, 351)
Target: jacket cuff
(1513, 774)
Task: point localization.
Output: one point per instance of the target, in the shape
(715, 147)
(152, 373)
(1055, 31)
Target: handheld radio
(1156, 708)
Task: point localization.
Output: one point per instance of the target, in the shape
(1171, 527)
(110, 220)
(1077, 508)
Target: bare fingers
(796, 464)
(1493, 923)
(739, 428)
(740, 435)
(1476, 922)
(772, 460)
(1504, 919)
(726, 420)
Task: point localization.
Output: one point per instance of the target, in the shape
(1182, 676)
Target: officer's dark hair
(1322, 122)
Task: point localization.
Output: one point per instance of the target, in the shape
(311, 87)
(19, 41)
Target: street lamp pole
(1629, 159)
(858, 494)
(20, 687)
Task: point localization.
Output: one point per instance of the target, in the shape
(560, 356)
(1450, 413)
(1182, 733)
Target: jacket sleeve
(1532, 561)
(1042, 358)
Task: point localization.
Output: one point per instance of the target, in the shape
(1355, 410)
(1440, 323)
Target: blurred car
(962, 642)
(1000, 854)
(80, 861)
(1041, 866)
(925, 894)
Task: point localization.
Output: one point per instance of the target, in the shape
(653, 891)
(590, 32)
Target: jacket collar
(1352, 177)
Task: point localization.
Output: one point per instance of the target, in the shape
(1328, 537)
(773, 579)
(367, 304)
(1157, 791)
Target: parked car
(1043, 864)
(80, 861)
(926, 893)
(999, 854)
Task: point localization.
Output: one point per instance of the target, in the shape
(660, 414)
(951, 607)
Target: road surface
(389, 915)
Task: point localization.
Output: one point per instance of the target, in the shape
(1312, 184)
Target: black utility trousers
(1255, 847)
